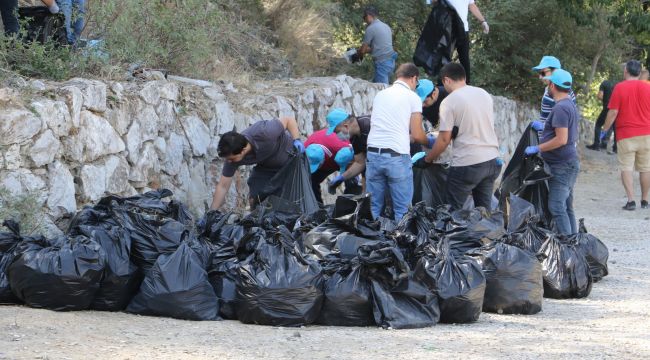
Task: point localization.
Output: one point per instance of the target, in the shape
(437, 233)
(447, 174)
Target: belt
(380, 151)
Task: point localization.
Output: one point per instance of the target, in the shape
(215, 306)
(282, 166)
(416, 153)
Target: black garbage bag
(473, 229)
(294, 182)
(565, 269)
(417, 222)
(278, 286)
(273, 212)
(519, 212)
(526, 177)
(98, 216)
(42, 26)
(437, 42)
(458, 281)
(151, 236)
(60, 274)
(352, 209)
(348, 299)
(399, 301)
(122, 277)
(334, 235)
(594, 250)
(531, 238)
(150, 203)
(513, 279)
(430, 185)
(177, 286)
(8, 242)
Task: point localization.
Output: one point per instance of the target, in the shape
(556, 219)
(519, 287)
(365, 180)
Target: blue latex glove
(531, 150)
(430, 141)
(499, 161)
(201, 223)
(603, 134)
(418, 156)
(299, 146)
(538, 125)
(331, 187)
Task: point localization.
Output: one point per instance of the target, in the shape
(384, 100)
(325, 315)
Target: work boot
(631, 205)
(593, 146)
(644, 204)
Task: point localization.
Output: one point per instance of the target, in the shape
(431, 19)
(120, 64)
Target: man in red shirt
(326, 154)
(629, 106)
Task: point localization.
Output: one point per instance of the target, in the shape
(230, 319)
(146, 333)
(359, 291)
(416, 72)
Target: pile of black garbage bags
(282, 266)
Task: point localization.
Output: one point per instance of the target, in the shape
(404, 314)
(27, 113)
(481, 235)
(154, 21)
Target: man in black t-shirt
(604, 93)
(354, 129)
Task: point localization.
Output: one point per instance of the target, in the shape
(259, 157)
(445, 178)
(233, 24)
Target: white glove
(486, 27)
(54, 9)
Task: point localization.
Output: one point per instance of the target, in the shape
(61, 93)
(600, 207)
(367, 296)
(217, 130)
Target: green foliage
(25, 209)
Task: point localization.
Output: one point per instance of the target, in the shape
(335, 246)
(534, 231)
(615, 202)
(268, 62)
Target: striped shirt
(548, 103)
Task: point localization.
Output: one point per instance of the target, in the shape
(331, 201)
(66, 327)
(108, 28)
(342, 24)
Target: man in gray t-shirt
(378, 41)
(267, 144)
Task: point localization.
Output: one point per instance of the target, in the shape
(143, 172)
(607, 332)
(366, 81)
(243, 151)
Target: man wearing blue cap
(326, 154)
(354, 129)
(558, 149)
(546, 67)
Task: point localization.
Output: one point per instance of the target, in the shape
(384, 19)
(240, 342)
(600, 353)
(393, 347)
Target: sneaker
(631, 205)
(644, 204)
(593, 147)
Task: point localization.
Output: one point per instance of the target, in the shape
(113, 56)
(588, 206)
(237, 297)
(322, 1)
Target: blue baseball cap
(334, 118)
(561, 78)
(548, 62)
(343, 157)
(316, 156)
(424, 88)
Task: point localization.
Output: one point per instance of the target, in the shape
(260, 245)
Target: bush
(24, 209)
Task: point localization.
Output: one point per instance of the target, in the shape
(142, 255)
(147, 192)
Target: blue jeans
(385, 172)
(560, 195)
(73, 11)
(383, 70)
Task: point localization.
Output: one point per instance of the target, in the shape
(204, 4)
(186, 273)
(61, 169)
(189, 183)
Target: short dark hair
(370, 10)
(407, 70)
(561, 89)
(633, 67)
(454, 71)
(231, 143)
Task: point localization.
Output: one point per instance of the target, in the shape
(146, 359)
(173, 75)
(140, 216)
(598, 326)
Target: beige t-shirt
(471, 110)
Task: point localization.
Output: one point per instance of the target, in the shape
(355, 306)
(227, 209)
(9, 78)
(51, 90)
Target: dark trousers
(462, 47)
(600, 121)
(9, 9)
(477, 180)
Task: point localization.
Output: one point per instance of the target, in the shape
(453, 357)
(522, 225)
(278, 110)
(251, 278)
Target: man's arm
(560, 139)
(292, 126)
(441, 144)
(364, 49)
(220, 192)
(417, 132)
(611, 117)
(477, 13)
(357, 166)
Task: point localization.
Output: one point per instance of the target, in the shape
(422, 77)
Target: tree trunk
(594, 65)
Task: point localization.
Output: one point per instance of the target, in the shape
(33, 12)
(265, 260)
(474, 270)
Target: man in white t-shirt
(396, 118)
(467, 119)
(463, 8)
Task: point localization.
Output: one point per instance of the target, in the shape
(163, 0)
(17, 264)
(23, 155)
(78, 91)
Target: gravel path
(612, 323)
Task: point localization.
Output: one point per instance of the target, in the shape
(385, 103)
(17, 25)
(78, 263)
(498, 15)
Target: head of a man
(632, 70)
(645, 75)
(546, 67)
(370, 14)
(559, 83)
(408, 73)
(427, 92)
(341, 123)
(233, 146)
(453, 76)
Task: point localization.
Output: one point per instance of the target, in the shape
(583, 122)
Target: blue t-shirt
(563, 115)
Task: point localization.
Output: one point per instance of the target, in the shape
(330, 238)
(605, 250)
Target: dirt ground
(612, 323)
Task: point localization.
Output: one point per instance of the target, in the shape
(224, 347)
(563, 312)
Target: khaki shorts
(634, 154)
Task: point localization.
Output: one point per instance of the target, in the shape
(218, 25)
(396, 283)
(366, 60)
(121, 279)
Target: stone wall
(72, 143)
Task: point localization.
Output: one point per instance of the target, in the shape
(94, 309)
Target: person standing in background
(463, 8)
(604, 93)
(378, 41)
(546, 67)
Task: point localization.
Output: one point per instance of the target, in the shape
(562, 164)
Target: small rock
(296, 334)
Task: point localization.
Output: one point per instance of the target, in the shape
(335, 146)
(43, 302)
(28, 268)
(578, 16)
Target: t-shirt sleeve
(229, 169)
(615, 99)
(416, 104)
(273, 129)
(369, 36)
(446, 116)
